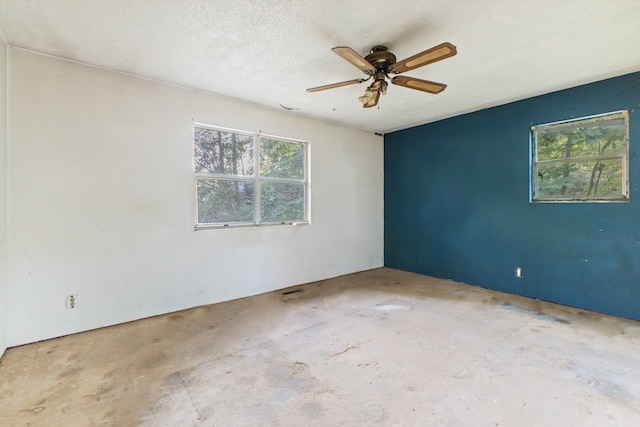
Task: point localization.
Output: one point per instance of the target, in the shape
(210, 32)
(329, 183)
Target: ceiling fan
(379, 63)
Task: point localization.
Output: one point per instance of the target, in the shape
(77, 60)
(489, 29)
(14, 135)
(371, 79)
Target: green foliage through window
(230, 192)
(581, 160)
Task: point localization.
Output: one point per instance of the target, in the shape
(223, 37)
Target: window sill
(583, 200)
(200, 227)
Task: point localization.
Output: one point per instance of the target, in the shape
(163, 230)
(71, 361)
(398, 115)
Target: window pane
(592, 137)
(218, 152)
(282, 202)
(281, 159)
(224, 201)
(598, 178)
(580, 142)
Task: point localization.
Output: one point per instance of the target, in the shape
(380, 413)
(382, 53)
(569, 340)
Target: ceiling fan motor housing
(381, 58)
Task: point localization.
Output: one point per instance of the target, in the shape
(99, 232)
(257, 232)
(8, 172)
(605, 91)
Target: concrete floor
(382, 347)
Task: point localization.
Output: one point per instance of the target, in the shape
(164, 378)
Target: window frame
(257, 179)
(624, 159)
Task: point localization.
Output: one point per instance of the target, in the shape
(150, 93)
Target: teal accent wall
(457, 205)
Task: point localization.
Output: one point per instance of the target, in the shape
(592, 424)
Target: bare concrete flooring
(382, 347)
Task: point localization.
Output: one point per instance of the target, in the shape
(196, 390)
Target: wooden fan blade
(355, 58)
(334, 85)
(440, 52)
(418, 84)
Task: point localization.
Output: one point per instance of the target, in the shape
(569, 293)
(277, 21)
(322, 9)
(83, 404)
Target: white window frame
(256, 179)
(624, 158)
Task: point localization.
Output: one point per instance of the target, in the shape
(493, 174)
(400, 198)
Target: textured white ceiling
(269, 51)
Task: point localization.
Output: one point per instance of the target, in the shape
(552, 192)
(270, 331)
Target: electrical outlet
(518, 271)
(72, 301)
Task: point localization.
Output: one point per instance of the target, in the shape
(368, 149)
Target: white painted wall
(101, 201)
(3, 196)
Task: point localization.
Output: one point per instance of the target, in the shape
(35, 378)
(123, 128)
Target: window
(581, 160)
(244, 178)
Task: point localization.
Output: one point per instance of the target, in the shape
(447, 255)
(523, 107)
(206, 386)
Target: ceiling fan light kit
(373, 92)
(370, 97)
(379, 63)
